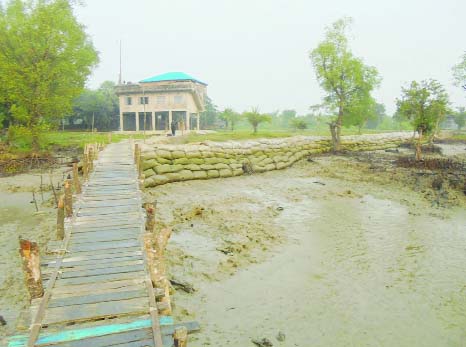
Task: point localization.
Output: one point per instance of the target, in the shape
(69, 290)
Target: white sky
(255, 52)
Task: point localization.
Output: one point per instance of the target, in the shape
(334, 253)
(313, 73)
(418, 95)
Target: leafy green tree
(210, 116)
(459, 72)
(348, 83)
(97, 108)
(287, 117)
(254, 117)
(230, 117)
(45, 59)
(424, 104)
(378, 117)
(298, 123)
(460, 117)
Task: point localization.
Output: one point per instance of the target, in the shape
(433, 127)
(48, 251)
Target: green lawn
(56, 140)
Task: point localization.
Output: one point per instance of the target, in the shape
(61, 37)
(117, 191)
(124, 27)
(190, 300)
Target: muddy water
(353, 263)
(18, 217)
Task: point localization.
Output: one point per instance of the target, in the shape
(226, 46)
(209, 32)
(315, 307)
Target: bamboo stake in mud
(85, 167)
(53, 189)
(41, 188)
(68, 199)
(150, 217)
(61, 218)
(180, 337)
(29, 252)
(77, 184)
(35, 201)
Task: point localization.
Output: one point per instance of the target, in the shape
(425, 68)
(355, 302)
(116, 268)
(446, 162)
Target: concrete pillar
(121, 121)
(188, 125)
(137, 121)
(170, 119)
(198, 121)
(153, 120)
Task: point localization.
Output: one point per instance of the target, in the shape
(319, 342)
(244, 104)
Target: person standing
(173, 127)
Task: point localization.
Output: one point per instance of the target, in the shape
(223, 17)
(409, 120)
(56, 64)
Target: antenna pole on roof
(119, 77)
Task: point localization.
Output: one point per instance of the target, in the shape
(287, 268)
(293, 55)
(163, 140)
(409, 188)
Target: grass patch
(63, 140)
(242, 134)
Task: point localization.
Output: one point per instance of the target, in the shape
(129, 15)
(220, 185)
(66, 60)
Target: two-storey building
(153, 103)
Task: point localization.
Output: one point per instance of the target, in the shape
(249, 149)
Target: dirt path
(329, 253)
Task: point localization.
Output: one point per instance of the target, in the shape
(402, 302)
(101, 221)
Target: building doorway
(148, 121)
(129, 121)
(180, 118)
(161, 121)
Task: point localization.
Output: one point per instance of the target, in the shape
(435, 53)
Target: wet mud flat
(338, 251)
(19, 217)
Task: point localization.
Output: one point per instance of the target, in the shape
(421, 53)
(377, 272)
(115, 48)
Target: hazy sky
(255, 52)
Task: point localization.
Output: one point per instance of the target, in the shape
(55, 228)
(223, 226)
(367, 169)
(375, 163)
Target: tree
(348, 83)
(460, 117)
(287, 117)
(97, 108)
(210, 116)
(424, 104)
(230, 117)
(378, 118)
(298, 123)
(255, 118)
(45, 59)
(459, 73)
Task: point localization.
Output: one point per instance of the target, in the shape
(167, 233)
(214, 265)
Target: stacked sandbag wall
(173, 163)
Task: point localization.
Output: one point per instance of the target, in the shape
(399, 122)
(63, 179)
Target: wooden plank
(81, 229)
(96, 298)
(88, 255)
(62, 291)
(99, 279)
(105, 265)
(102, 245)
(78, 313)
(102, 271)
(104, 237)
(94, 262)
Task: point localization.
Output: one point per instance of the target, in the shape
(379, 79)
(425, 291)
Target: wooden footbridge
(98, 289)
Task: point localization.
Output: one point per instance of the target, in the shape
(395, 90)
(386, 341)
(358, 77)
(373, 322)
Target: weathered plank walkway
(99, 291)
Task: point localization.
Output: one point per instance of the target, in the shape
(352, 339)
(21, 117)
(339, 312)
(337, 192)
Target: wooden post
(136, 150)
(77, 184)
(85, 166)
(180, 337)
(150, 217)
(160, 277)
(68, 199)
(61, 218)
(31, 265)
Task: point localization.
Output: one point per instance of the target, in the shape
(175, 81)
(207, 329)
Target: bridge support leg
(180, 337)
(61, 218)
(31, 265)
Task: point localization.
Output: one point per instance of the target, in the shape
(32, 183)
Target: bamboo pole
(29, 252)
(68, 199)
(61, 218)
(77, 184)
(161, 280)
(180, 337)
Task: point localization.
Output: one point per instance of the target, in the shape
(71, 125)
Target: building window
(161, 99)
(179, 99)
(144, 100)
(129, 100)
